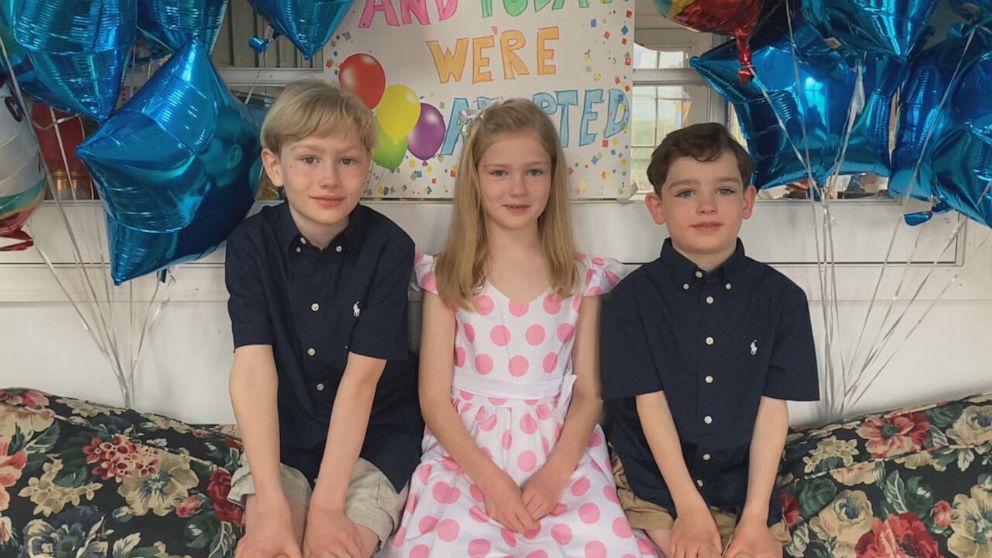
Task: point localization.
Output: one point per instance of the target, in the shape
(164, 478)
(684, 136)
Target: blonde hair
(461, 267)
(312, 107)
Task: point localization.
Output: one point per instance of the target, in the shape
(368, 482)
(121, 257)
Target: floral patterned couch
(86, 481)
(913, 483)
(82, 480)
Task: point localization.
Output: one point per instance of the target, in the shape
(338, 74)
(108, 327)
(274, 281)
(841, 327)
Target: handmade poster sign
(422, 64)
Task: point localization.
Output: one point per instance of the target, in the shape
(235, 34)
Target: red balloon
(363, 75)
(726, 17)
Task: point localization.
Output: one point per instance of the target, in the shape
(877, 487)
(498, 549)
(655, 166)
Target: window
(667, 93)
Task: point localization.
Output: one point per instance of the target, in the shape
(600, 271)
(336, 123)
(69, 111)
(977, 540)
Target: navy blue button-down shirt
(715, 343)
(314, 307)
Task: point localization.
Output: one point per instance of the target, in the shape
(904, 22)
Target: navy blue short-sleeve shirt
(314, 307)
(715, 342)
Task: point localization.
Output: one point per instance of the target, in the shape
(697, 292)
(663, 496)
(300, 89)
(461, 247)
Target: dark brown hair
(702, 142)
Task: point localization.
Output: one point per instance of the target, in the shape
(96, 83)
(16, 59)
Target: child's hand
(331, 533)
(543, 489)
(271, 535)
(694, 535)
(753, 539)
(505, 505)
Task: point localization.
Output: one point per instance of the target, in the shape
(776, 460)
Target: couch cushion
(913, 482)
(90, 480)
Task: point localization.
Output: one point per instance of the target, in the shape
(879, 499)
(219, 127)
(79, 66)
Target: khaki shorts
(650, 516)
(372, 502)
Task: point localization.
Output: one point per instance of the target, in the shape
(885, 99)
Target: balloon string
(854, 108)
(99, 328)
(97, 338)
(48, 174)
(905, 202)
(106, 315)
(149, 322)
(814, 188)
(917, 324)
(876, 350)
(879, 347)
(885, 317)
(51, 182)
(258, 74)
(56, 122)
(827, 364)
(807, 162)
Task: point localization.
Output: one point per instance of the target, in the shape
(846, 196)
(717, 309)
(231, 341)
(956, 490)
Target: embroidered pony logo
(754, 347)
(357, 311)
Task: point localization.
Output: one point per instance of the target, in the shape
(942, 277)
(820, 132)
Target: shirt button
(338, 249)
(685, 286)
(303, 241)
(709, 379)
(699, 274)
(320, 387)
(298, 249)
(315, 307)
(727, 286)
(311, 351)
(709, 300)
(708, 419)
(706, 457)
(699, 483)
(709, 340)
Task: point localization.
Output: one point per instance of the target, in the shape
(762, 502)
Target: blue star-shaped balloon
(892, 27)
(961, 161)
(174, 166)
(170, 24)
(921, 113)
(69, 54)
(813, 108)
(309, 24)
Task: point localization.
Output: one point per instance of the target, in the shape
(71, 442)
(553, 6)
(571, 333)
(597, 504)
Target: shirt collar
(685, 272)
(350, 238)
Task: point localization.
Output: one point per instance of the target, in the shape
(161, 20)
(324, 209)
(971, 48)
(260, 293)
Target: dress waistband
(492, 387)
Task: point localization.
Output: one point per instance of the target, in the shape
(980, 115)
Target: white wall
(183, 369)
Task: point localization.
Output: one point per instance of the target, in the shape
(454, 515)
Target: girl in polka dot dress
(514, 462)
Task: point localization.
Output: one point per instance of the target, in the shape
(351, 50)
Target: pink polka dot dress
(511, 387)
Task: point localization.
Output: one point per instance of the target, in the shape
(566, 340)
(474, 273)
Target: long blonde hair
(461, 267)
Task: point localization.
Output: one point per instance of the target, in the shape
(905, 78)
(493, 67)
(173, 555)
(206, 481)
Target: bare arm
(770, 430)
(503, 498)
(271, 530)
(254, 386)
(346, 432)
(752, 536)
(542, 490)
(694, 532)
(663, 439)
(586, 405)
(329, 531)
(436, 373)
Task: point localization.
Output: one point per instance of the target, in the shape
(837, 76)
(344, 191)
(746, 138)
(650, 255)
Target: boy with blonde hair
(321, 387)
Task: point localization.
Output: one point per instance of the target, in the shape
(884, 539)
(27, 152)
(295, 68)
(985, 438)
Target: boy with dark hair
(701, 348)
